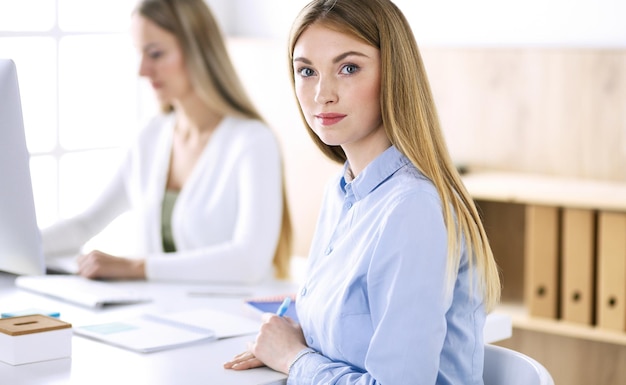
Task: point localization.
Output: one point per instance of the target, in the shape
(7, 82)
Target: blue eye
(349, 69)
(305, 72)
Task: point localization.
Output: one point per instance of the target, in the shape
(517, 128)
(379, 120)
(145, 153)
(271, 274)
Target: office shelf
(560, 244)
(522, 320)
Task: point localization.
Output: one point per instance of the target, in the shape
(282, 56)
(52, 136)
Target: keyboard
(80, 290)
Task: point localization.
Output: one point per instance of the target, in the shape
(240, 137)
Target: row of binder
(575, 265)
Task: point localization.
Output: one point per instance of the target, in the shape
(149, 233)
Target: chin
(328, 140)
(161, 95)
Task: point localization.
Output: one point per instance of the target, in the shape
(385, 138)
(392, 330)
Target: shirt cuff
(305, 366)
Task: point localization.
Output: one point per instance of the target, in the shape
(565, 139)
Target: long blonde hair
(410, 120)
(214, 79)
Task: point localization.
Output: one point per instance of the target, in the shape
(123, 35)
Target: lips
(328, 119)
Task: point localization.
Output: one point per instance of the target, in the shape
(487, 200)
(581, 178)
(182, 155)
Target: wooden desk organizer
(34, 338)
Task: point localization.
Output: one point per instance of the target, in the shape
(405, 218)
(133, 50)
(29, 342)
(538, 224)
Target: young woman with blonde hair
(400, 272)
(205, 176)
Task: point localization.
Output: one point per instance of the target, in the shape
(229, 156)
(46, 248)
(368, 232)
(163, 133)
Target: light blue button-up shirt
(376, 302)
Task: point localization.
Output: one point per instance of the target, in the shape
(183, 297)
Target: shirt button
(348, 205)
(329, 250)
(303, 291)
(310, 341)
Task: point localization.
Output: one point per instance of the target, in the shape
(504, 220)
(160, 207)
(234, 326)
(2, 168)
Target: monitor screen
(20, 239)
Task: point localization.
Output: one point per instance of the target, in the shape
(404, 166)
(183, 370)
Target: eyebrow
(337, 58)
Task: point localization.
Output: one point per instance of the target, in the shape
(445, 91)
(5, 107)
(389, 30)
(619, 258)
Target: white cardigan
(226, 221)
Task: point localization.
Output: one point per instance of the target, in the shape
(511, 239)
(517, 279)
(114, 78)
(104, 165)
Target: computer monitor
(20, 238)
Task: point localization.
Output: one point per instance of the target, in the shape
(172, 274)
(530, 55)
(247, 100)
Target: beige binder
(578, 263)
(611, 304)
(541, 258)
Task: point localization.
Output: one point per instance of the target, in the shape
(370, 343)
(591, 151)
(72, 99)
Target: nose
(143, 67)
(326, 91)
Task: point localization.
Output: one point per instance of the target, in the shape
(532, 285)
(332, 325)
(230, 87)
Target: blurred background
(83, 101)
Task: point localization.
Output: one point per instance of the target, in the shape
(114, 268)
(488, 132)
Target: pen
(282, 309)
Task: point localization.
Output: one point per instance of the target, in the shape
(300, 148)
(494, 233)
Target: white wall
(586, 23)
(528, 22)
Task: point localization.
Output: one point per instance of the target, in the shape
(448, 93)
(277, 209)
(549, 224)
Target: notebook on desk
(153, 332)
(80, 290)
(256, 306)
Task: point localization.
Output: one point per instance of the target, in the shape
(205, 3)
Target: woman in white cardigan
(205, 176)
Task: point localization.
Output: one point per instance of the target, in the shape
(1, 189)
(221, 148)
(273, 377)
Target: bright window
(81, 97)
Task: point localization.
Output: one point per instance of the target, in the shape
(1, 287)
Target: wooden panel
(551, 111)
(546, 190)
(504, 224)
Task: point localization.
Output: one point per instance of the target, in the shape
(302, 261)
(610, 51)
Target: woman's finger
(245, 360)
(247, 364)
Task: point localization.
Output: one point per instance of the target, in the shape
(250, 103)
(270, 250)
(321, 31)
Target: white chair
(505, 366)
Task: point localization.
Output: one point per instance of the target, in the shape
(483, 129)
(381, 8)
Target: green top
(166, 220)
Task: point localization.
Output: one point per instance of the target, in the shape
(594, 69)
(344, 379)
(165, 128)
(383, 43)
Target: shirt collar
(379, 170)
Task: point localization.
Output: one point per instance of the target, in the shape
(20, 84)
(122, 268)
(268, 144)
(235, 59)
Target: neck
(194, 118)
(193, 126)
(361, 154)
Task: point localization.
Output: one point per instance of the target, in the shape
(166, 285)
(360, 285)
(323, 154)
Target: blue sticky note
(30, 311)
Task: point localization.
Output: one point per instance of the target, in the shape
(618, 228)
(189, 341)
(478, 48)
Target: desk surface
(95, 362)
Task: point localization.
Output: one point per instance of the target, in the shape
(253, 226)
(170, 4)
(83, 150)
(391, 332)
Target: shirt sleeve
(406, 286)
(69, 235)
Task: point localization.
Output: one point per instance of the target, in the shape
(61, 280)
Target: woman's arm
(69, 235)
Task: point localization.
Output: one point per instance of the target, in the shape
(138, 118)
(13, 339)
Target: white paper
(143, 334)
(154, 331)
(223, 324)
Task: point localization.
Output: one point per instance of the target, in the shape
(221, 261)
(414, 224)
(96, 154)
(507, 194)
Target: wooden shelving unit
(548, 235)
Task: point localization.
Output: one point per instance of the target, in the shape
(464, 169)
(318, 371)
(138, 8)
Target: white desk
(96, 363)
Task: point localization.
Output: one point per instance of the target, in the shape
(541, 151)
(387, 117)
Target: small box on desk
(34, 338)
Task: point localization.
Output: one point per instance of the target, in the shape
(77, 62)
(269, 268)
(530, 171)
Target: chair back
(505, 366)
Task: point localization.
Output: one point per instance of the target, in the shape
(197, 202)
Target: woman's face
(161, 60)
(337, 83)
